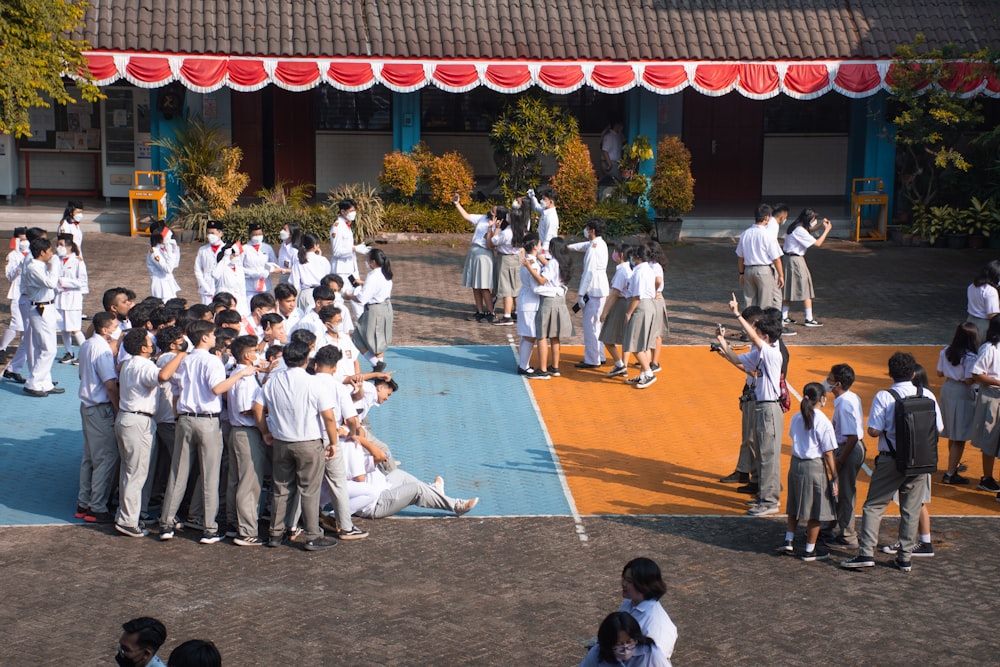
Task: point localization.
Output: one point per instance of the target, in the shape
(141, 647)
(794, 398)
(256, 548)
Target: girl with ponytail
(373, 335)
(812, 477)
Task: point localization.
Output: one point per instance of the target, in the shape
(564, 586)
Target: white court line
(580, 531)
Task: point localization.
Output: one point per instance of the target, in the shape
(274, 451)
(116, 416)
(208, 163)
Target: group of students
(205, 404)
(528, 274)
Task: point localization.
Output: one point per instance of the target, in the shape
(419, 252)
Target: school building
(775, 99)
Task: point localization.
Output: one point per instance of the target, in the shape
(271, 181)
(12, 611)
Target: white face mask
(256, 240)
(352, 215)
(78, 217)
(23, 246)
(214, 239)
(61, 250)
(283, 235)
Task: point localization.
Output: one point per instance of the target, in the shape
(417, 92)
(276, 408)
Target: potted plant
(980, 219)
(671, 190)
(947, 221)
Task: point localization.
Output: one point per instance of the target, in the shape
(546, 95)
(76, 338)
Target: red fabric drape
(297, 73)
(351, 74)
(508, 76)
(149, 70)
(806, 79)
(247, 73)
(664, 77)
(403, 75)
(858, 78)
(102, 67)
(758, 78)
(612, 76)
(715, 77)
(202, 72)
(456, 76)
(561, 76)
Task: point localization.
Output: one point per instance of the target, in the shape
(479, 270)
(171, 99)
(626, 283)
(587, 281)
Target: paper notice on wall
(93, 139)
(80, 141)
(42, 119)
(64, 141)
(120, 118)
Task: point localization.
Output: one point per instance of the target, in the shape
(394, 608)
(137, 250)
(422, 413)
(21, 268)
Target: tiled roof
(745, 30)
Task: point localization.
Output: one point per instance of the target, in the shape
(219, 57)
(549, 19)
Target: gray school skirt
(663, 321)
(374, 330)
(809, 495)
(613, 329)
(478, 271)
(958, 408)
(553, 320)
(986, 420)
(507, 277)
(642, 327)
(798, 280)
(981, 323)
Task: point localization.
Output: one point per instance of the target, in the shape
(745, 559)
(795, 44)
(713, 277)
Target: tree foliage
(36, 49)
(933, 123)
(528, 130)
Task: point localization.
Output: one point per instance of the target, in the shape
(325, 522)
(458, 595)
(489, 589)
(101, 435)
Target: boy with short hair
(848, 426)
(205, 262)
(247, 453)
(15, 260)
(548, 224)
(259, 262)
(39, 280)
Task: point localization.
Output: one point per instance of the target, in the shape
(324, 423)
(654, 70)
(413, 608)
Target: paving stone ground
(529, 591)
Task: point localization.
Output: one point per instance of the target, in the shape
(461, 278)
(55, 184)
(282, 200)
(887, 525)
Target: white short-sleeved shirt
(527, 299)
(643, 656)
(309, 274)
(369, 399)
(654, 622)
(768, 360)
(198, 373)
(848, 418)
(482, 227)
(987, 361)
(642, 282)
(812, 443)
(348, 350)
(240, 398)
(757, 247)
(364, 495)
(294, 400)
(984, 300)
(959, 373)
(97, 366)
(619, 281)
(376, 288)
(883, 413)
(503, 241)
(554, 285)
(164, 394)
(137, 385)
(594, 278)
(799, 241)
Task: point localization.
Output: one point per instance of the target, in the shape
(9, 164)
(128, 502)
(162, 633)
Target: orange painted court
(662, 450)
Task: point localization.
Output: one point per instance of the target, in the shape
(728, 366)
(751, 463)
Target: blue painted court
(460, 413)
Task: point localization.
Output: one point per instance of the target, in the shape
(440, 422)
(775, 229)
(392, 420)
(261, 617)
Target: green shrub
(575, 183)
(272, 217)
(671, 192)
(398, 179)
(424, 219)
(622, 218)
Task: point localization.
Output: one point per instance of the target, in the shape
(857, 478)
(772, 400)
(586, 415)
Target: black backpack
(916, 447)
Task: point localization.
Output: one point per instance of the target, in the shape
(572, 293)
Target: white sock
(67, 340)
(789, 535)
(78, 338)
(810, 547)
(619, 364)
(926, 538)
(371, 357)
(784, 311)
(8, 336)
(809, 313)
(524, 353)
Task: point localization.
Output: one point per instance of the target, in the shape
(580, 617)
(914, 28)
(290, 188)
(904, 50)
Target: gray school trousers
(847, 490)
(768, 427)
(405, 490)
(99, 463)
(201, 437)
(298, 466)
(247, 455)
(886, 480)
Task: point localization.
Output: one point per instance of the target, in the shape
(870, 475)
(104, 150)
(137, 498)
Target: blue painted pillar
(871, 144)
(159, 128)
(641, 117)
(405, 121)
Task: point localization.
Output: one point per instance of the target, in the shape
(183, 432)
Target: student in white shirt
(798, 280)
(138, 383)
(986, 428)
(764, 361)
(98, 394)
(169, 341)
(39, 279)
(343, 251)
(332, 318)
(613, 316)
(373, 335)
(553, 320)
(259, 262)
(983, 297)
(70, 223)
(286, 299)
(812, 475)
(73, 285)
(527, 305)
(322, 297)
(288, 251)
(290, 410)
(198, 386)
(12, 271)
(162, 260)
(886, 479)
(260, 305)
(642, 322)
(478, 273)
(593, 291)
(206, 261)
(621, 643)
(958, 395)
(505, 236)
(848, 428)
(642, 589)
(548, 223)
(273, 331)
(247, 453)
(24, 350)
(230, 277)
(309, 269)
(758, 260)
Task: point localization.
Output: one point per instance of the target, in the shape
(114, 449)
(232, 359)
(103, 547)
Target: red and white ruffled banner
(801, 80)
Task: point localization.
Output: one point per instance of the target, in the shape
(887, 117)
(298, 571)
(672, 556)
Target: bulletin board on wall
(72, 127)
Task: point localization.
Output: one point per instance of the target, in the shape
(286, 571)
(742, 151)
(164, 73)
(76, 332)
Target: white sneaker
(439, 484)
(762, 510)
(465, 506)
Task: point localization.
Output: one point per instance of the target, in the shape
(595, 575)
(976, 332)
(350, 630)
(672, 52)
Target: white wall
(804, 165)
(349, 158)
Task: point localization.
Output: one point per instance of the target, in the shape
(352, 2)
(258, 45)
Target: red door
(726, 138)
(294, 137)
(247, 123)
